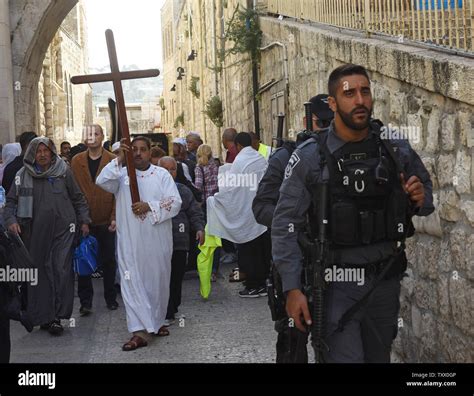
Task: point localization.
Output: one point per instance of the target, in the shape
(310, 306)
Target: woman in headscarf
(45, 208)
(9, 152)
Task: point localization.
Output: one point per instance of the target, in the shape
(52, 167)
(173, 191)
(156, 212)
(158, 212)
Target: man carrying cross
(144, 239)
(146, 200)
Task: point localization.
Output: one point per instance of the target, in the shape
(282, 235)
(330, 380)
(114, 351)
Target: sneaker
(249, 293)
(262, 291)
(85, 311)
(169, 322)
(228, 258)
(97, 274)
(180, 316)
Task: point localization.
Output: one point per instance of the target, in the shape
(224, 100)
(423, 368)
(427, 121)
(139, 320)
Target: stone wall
(413, 87)
(197, 25)
(418, 88)
(64, 108)
(33, 24)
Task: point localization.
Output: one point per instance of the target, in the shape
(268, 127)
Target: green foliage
(244, 33)
(194, 87)
(215, 111)
(162, 104)
(179, 120)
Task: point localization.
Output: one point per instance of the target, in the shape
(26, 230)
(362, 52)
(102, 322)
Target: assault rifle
(315, 251)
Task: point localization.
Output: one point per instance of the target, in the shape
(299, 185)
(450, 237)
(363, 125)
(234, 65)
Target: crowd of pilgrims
(55, 198)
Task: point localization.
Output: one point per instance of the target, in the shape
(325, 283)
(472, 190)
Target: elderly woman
(9, 152)
(45, 206)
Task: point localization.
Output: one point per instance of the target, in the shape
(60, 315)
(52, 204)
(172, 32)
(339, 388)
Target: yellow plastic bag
(204, 263)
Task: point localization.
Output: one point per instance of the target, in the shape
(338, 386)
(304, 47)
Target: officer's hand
(415, 189)
(297, 309)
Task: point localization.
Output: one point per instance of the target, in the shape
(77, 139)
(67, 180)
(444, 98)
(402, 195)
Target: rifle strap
(348, 315)
(388, 147)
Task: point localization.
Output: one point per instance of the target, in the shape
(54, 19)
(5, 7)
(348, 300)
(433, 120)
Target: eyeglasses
(322, 123)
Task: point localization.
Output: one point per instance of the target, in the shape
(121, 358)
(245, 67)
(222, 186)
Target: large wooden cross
(116, 76)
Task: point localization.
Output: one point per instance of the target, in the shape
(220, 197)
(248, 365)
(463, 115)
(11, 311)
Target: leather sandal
(134, 343)
(163, 332)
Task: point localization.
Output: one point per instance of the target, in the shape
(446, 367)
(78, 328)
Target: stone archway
(33, 24)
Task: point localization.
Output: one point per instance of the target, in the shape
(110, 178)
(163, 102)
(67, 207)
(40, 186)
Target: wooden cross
(116, 76)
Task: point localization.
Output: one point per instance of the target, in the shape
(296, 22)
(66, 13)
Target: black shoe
(262, 291)
(98, 274)
(249, 293)
(113, 306)
(84, 311)
(55, 328)
(26, 322)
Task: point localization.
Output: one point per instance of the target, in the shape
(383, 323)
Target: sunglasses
(322, 123)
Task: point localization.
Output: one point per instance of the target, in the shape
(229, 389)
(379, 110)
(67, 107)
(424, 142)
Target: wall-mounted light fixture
(173, 88)
(181, 73)
(192, 55)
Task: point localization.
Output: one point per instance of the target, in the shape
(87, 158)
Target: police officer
(291, 342)
(374, 185)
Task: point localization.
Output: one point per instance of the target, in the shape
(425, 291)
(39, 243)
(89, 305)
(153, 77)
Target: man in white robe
(144, 239)
(230, 215)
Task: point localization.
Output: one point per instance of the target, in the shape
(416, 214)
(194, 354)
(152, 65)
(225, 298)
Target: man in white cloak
(144, 240)
(230, 215)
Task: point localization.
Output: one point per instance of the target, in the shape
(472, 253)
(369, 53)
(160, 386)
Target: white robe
(144, 246)
(229, 212)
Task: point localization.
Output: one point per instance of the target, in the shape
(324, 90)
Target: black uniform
(367, 221)
(291, 343)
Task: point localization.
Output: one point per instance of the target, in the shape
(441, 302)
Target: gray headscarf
(24, 177)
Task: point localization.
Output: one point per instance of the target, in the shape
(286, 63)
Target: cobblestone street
(226, 329)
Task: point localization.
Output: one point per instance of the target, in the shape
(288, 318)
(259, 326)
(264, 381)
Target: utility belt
(373, 269)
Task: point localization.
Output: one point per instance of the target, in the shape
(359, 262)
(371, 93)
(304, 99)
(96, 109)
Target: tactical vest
(367, 203)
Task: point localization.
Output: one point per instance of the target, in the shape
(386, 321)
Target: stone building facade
(422, 91)
(64, 108)
(412, 86)
(142, 117)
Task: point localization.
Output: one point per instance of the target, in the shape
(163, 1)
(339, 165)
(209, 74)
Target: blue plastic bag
(85, 256)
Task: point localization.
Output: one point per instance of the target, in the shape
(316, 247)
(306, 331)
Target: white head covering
(180, 140)
(9, 153)
(115, 146)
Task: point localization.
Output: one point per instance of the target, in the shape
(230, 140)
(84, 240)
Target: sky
(137, 30)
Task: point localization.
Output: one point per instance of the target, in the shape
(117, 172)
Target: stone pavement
(226, 328)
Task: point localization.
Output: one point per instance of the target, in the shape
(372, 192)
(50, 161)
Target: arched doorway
(33, 25)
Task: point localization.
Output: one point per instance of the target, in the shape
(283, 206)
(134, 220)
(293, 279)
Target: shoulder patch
(294, 159)
(307, 142)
